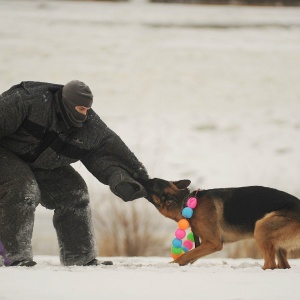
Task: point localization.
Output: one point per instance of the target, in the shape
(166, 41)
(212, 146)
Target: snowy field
(209, 93)
(151, 278)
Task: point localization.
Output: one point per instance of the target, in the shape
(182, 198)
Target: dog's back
(243, 206)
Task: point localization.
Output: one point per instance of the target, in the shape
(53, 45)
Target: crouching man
(44, 128)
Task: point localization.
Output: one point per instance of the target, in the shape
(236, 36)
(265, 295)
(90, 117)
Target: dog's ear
(182, 184)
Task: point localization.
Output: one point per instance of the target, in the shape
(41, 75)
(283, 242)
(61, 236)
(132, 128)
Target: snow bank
(150, 278)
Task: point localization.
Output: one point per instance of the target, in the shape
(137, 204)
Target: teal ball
(187, 212)
(177, 243)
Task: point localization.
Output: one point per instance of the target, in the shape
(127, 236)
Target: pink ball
(180, 234)
(188, 244)
(192, 202)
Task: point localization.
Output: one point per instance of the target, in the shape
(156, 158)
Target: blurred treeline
(223, 2)
(236, 2)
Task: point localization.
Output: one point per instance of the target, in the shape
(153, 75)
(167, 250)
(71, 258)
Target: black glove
(126, 188)
(130, 191)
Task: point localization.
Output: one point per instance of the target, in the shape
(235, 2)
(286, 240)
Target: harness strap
(49, 139)
(197, 239)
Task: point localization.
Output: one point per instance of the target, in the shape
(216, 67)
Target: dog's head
(168, 196)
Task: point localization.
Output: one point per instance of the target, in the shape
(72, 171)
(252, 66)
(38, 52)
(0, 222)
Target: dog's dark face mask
(168, 196)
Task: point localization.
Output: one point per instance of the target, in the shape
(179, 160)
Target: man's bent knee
(21, 192)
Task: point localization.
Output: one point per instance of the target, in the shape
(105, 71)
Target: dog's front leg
(205, 248)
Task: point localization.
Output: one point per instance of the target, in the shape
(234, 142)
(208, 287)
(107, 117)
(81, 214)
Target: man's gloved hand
(125, 187)
(129, 191)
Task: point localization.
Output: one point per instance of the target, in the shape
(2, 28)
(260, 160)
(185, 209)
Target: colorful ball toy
(188, 244)
(187, 212)
(177, 243)
(190, 237)
(180, 247)
(183, 224)
(192, 202)
(180, 234)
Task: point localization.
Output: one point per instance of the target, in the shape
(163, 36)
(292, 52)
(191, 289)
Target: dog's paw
(180, 262)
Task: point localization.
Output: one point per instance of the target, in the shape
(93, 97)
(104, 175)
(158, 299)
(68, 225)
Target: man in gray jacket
(44, 128)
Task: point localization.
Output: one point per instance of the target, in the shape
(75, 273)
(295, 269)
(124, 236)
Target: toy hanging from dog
(179, 246)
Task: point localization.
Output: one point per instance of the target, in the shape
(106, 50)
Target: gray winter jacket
(30, 127)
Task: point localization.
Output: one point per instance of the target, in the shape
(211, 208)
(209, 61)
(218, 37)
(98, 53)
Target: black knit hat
(76, 93)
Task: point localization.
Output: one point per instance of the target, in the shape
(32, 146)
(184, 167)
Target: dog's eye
(168, 203)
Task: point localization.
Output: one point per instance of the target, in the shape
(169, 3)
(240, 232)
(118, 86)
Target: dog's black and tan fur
(270, 216)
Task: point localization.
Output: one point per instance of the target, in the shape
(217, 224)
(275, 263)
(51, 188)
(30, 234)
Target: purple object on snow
(7, 261)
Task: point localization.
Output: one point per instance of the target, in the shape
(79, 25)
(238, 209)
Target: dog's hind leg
(264, 237)
(275, 234)
(282, 259)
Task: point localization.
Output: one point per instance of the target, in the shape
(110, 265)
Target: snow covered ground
(151, 278)
(209, 93)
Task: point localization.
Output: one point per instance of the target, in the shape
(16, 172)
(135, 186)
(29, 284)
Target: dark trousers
(61, 189)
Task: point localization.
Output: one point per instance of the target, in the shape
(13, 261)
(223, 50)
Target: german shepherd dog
(226, 215)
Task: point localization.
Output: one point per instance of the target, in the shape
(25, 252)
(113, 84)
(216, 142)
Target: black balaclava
(76, 93)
